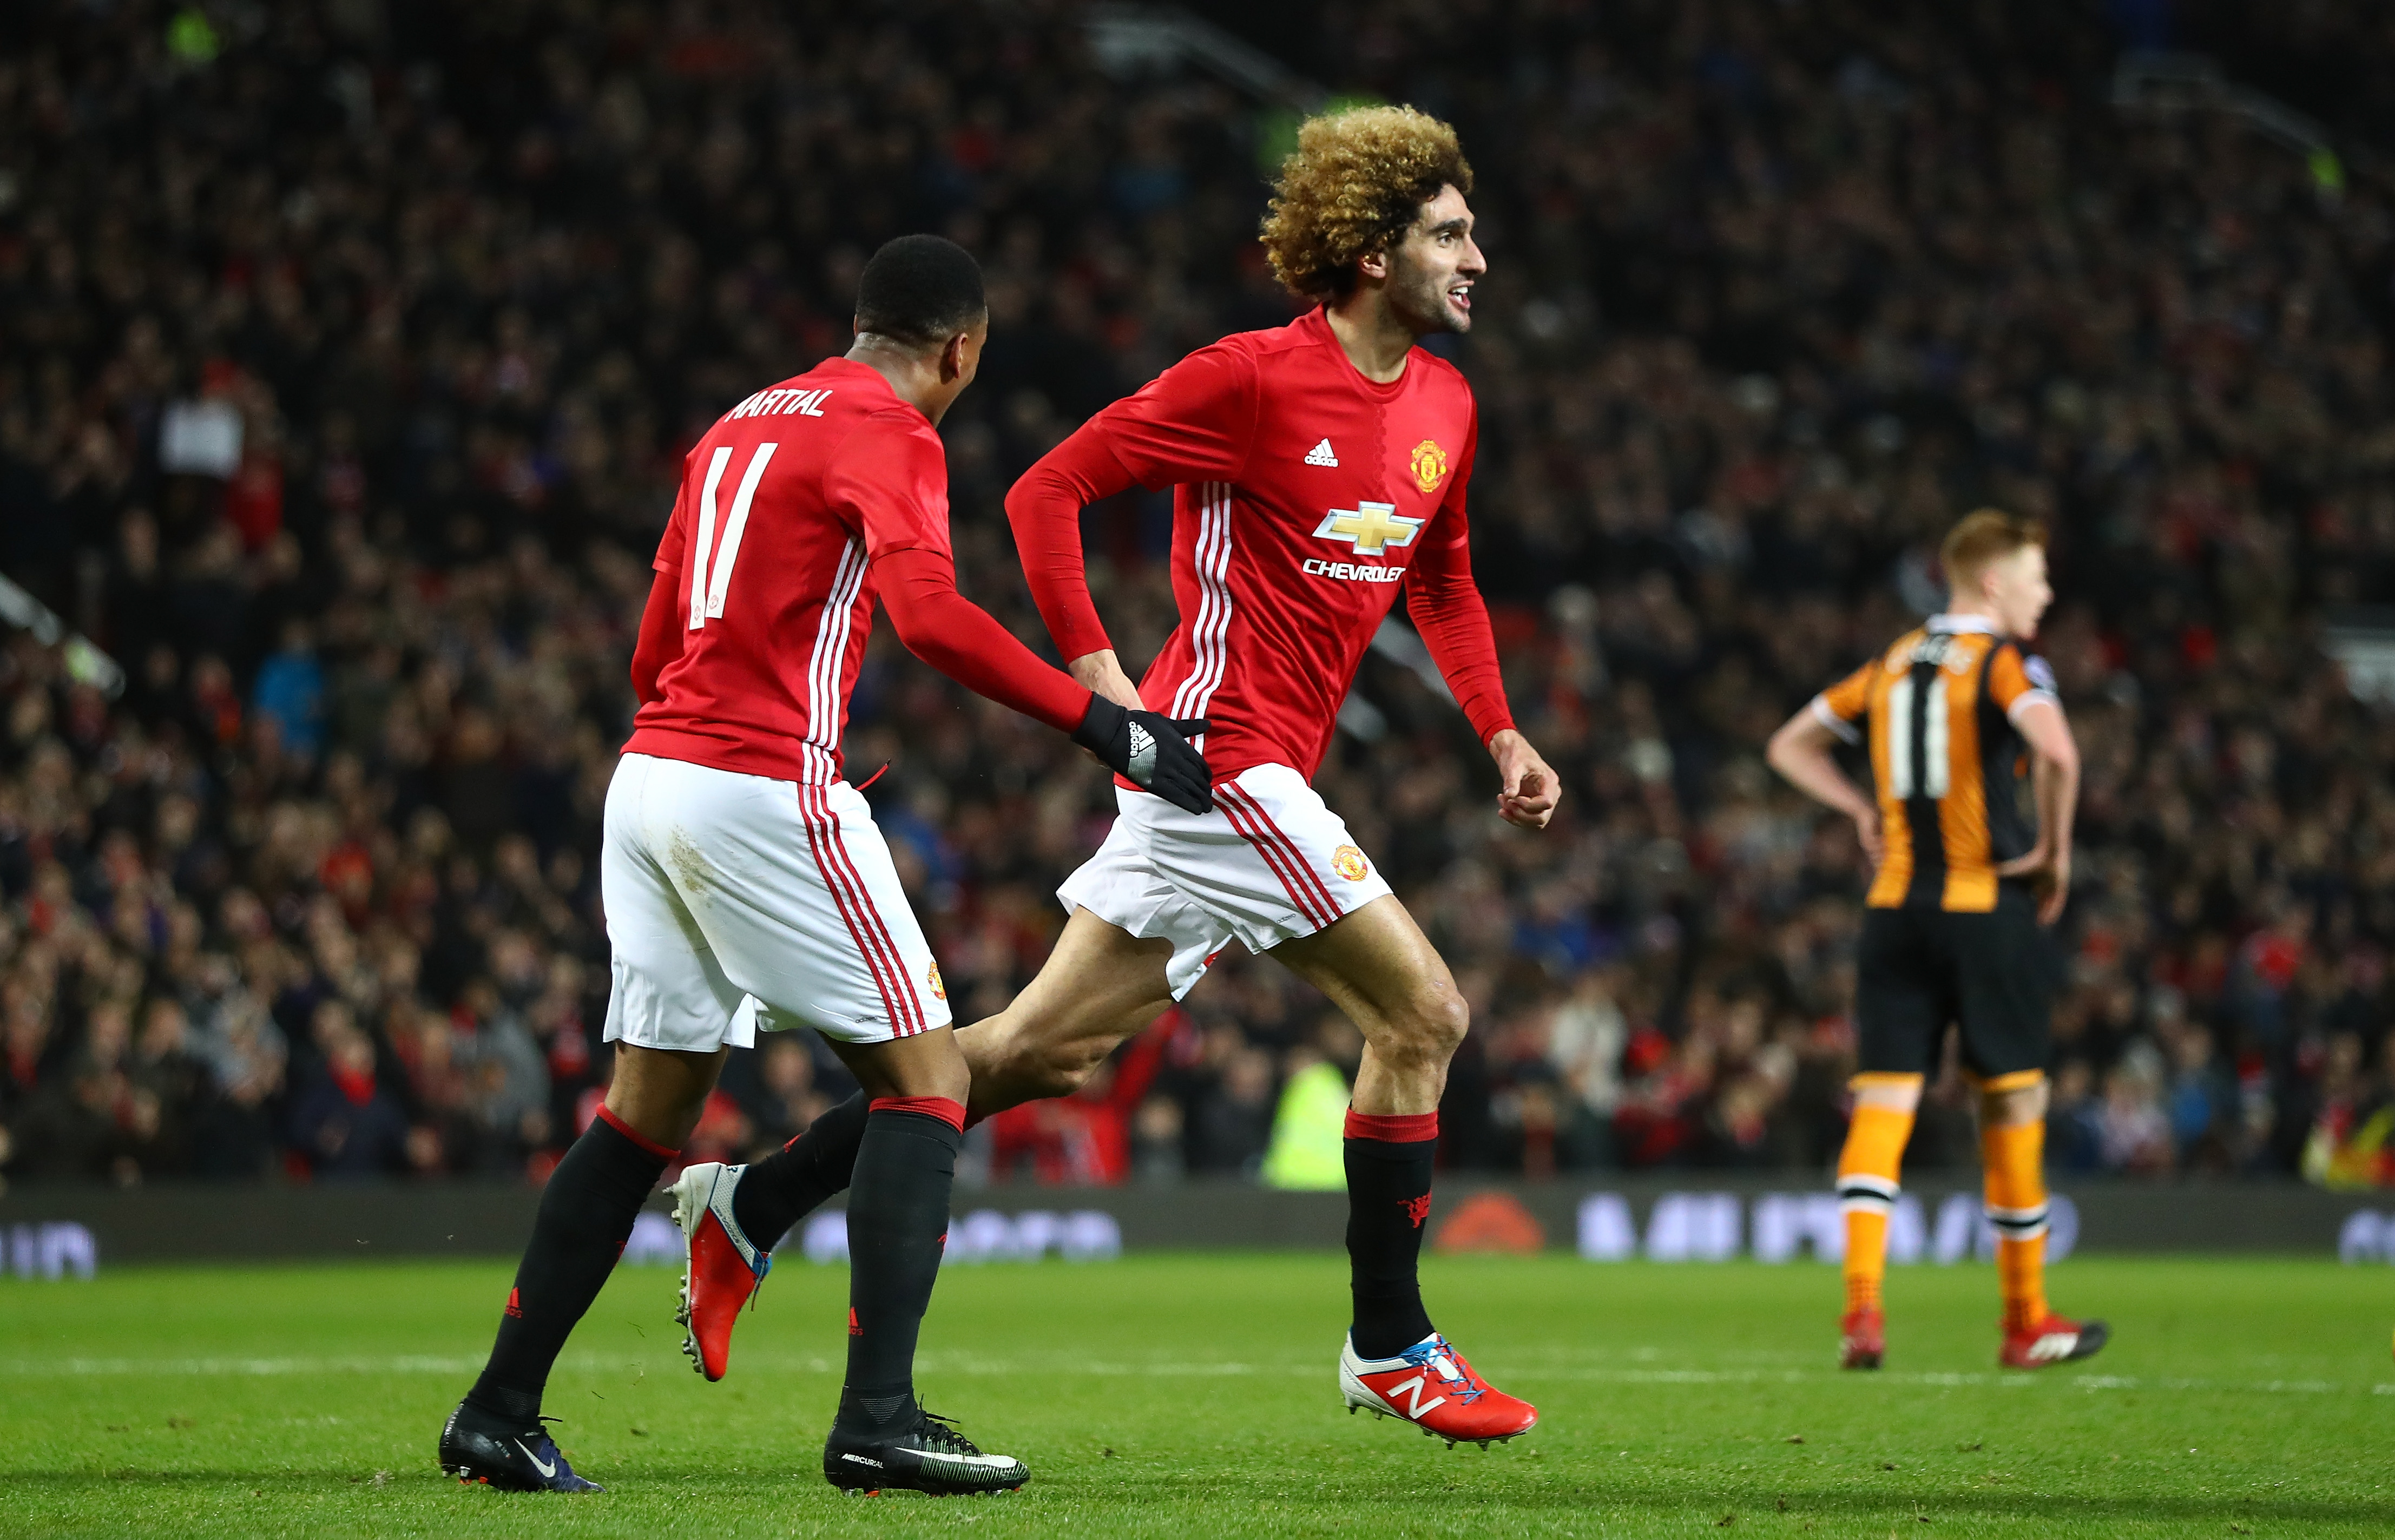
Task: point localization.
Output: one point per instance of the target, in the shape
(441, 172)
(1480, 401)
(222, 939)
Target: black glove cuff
(1101, 724)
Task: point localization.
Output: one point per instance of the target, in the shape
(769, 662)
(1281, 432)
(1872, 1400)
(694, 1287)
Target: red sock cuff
(949, 1112)
(608, 1116)
(1403, 1128)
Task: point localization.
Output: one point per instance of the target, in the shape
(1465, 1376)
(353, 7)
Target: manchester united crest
(939, 985)
(1430, 465)
(1348, 862)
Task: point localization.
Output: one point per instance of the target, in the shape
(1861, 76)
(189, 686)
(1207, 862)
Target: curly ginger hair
(1354, 186)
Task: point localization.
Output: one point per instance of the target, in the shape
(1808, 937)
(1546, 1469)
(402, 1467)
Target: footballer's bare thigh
(1376, 966)
(1099, 986)
(1102, 984)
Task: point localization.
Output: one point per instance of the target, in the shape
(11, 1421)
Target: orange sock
(1866, 1257)
(2020, 1271)
(2014, 1155)
(1867, 1189)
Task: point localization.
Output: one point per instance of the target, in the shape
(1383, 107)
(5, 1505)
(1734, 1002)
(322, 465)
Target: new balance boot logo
(1430, 1386)
(1417, 1209)
(1413, 1391)
(1321, 454)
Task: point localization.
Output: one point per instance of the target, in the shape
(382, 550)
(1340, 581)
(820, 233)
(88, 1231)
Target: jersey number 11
(708, 580)
(1906, 779)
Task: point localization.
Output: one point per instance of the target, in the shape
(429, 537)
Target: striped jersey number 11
(709, 579)
(1905, 778)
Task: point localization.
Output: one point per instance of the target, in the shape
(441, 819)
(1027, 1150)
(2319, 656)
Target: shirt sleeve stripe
(1834, 721)
(2031, 697)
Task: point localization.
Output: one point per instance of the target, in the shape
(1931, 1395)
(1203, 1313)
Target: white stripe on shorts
(1254, 825)
(856, 910)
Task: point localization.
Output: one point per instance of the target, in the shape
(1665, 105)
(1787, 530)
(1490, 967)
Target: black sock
(897, 1222)
(585, 1216)
(1388, 1204)
(787, 1186)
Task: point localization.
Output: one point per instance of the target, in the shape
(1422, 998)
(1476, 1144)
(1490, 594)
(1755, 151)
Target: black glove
(1149, 751)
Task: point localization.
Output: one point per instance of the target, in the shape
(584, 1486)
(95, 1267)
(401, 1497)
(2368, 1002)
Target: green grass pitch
(1195, 1395)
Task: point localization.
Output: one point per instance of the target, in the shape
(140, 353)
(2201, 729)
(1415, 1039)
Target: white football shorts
(735, 902)
(1271, 862)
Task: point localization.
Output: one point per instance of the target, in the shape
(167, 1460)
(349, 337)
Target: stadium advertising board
(1781, 1227)
(68, 1232)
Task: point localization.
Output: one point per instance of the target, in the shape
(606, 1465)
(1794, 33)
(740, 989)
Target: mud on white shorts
(738, 902)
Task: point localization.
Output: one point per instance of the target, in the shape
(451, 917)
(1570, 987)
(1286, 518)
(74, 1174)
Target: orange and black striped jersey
(1948, 761)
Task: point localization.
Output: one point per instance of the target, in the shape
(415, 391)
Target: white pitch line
(962, 1364)
(414, 1364)
(1670, 1376)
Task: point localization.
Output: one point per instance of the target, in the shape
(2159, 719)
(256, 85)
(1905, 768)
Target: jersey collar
(1317, 321)
(1979, 623)
(864, 374)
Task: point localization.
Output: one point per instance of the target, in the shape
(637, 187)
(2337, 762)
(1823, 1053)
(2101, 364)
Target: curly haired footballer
(1355, 186)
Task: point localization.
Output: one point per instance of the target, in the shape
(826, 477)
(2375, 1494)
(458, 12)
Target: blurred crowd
(348, 351)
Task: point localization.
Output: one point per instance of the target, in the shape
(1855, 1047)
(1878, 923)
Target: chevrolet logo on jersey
(1372, 526)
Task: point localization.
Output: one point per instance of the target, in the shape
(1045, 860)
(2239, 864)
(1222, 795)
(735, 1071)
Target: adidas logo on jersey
(1321, 454)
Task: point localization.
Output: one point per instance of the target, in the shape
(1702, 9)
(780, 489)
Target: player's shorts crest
(939, 985)
(1430, 465)
(1349, 863)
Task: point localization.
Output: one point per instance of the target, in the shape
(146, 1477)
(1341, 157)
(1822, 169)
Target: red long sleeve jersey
(793, 506)
(1305, 497)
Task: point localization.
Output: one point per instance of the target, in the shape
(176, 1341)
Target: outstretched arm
(957, 637)
(890, 483)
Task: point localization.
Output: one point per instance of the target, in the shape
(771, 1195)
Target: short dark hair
(920, 291)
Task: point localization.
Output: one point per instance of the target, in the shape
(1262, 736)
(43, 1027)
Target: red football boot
(2054, 1340)
(1862, 1338)
(720, 1266)
(1430, 1385)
